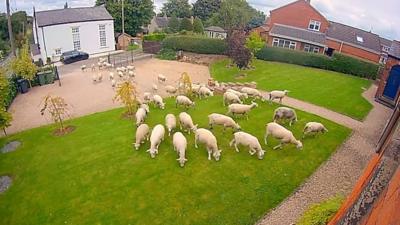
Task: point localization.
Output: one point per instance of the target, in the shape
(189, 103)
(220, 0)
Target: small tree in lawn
(58, 110)
(254, 43)
(186, 24)
(185, 85)
(237, 51)
(198, 26)
(126, 93)
(23, 65)
(5, 119)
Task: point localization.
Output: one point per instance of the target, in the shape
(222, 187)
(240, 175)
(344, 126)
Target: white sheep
(161, 78)
(277, 95)
(205, 92)
(120, 74)
(225, 121)
(248, 140)
(241, 109)
(140, 116)
(142, 134)
(180, 144)
(113, 83)
(93, 67)
(196, 88)
(83, 68)
(111, 75)
(252, 92)
(183, 100)
(205, 136)
(123, 69)
(130, 68)
(99, 64)
(170, 89)
(154, 87)
(157, 135)
(284, 135)
(186, 122)
(282, 113)
(145, 107)
(170, 123)
(131, 73)
(158, 100)
(230, 98)
(238, 93)
(314, 127)
(94, 78)
(147, 96)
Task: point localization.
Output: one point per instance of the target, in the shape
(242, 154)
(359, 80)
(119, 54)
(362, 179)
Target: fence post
(108, 58)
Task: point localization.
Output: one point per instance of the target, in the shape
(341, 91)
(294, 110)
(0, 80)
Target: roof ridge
(82, 7)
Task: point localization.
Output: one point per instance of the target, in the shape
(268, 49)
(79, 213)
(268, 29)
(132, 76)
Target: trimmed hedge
(154, 37)
(197, 44)
(319, 214)
(338, 62)
(12, 92)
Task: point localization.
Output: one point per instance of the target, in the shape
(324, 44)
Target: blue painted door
(392, 83)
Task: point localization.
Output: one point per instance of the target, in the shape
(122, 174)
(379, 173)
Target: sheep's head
(153, 153)
(299, 145)
(237, 127)
(162, 105)
(254, 104)
(193, 104)
(181, 161)
(217, 155)
(137, 145)
(194, 128)
(286, 92)
(245, 95)
(211, 93)
(261, 154)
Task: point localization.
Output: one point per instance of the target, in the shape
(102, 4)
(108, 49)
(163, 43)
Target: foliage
(237, 51)
(126, 93)
(185, 85)
(197, 44)
(137, 13)
(154, 37)
(186, 24)
(19, 24)
(132, 47)
(11, 92)
(23, 65)
(174, 24)
(5, 119)
(57, 108)
(254, 42)
(319, 214)
(335, 91)
(338, 62)
(257, 20)
(166, 54)
(198, 26)
(4, 88)
(179, 8)
(204, 9)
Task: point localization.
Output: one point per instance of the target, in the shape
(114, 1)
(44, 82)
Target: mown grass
(93, 175)
(335, 91)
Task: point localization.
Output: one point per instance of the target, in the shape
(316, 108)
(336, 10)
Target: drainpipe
(341, 45)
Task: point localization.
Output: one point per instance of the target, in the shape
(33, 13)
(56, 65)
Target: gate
(392, 83)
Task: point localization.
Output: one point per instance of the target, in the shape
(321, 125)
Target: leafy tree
(186, 24)
(254, 42)
(237, 51)
(58, 109)
(5, 119)
(4, 88)
(174, 24)
(19, 24)
(137, 13)
(23, 65)
(126, 93)
(257, 20)
(179, 8)
(204, 9)
(198, 26)
(185, 85)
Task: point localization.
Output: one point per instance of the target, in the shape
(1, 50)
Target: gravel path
(341, 171)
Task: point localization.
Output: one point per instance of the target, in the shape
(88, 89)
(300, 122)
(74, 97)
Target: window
(310, 48)
(385, 48)
(314, 25)
(383, 59)
(102, 35)
(360, 39)
(307, 48)
(57, 51)
(75, 38)
(282, 43)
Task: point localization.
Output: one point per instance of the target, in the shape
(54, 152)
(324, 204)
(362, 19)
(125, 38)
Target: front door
(392, 83)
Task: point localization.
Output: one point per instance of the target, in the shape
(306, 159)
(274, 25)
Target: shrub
(132, 47)
(198, 26)
(166, 54)
(173, 24)
(338, 62)
(319, 214)
(197, 44)
(254, 42)
(155, 37)
(237, 51)
(186, 24)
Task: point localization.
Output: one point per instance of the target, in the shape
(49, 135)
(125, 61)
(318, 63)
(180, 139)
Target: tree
(58, 109)
(137, 13)
(237, 51)
(254, 43)
(126, 93)
(179, 8)
(185, 85)
(257, 20)
(198, 26)
(174, 24)
(204, 9)
(186, 24)
(23, 65)
(5, 119)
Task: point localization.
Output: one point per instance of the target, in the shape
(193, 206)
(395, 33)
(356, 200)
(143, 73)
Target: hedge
(338, 62)
(197, 44)
(320, 213)
(155, 37)
(12, 92)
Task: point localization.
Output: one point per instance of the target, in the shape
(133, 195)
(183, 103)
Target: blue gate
(392, 83)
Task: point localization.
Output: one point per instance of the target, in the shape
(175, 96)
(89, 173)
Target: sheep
(100, 76)
(183, 100)
(83, 68)
(111, 75)
(248, 140)
(230, 98)
(154, 88)
(196, 88)
(205, 136)
(93, 67)
(186, 122)
(131, 73)
(120, 74)
(130, 68)
(161, 78)
(94, 78)
(123, 69)
(205, 92)
(219, 119)
(285, 113)
(241, 109)
(157, 135)
(170, 123)
(147, 96)
(142, 134)
(252, 92)
(113, 83)
(99, 64)
(170, 89)
(118, 69)
(140, 116)
(180, 144)
(158, 101)
(284, 135)
(238, 93)
(314, 127)
(277, 95)
(145, 107)
(97, 77)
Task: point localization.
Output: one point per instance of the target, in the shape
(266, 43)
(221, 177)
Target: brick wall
(353, 51)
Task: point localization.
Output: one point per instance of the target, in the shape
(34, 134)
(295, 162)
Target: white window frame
(57, 51)
(311, 48)
(385, 48)
(76, 40)
(283, 43)
(316, 49)
(307, 47)
(314, 25)
(360, 39)
(102, 35)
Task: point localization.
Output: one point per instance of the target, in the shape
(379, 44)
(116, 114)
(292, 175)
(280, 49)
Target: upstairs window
(102, 35)
(360, 39)
(57, 51)
(385, 48)
(314, 25)
(75, 38)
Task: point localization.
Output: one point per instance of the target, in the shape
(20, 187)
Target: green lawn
(93, 175)
(332, 90)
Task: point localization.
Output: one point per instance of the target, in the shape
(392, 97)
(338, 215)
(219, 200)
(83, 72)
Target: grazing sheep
(248, 140)
(147, 96)
(93, 67)
(205, 136)
(180, 144)
(219, 119)
(285, 113)
(183, 100)
(230, 98)
(205, 92)
(83, 68)
(130, 67)
(157, 135)
(158, 100)
(161, 78)
(145, 107)
(154, 88)
(196, 88)
(170, 123)
(123, 69)
(113, 83)
(111, 75)
(140, 116)
(186, 122)
(170, 89)
(142, 134)
(94, 78)
(314, 127)
(284, 135)
(118, 69)
(277, 95)
(238, 93)
(131, 73)
(120, 74)
(99, 65)
(241, 109)
(252, 92)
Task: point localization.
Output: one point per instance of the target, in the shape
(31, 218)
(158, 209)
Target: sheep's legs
(195, 142)
(278, 146)
(252, 151)
(209, 154)
(265, 138)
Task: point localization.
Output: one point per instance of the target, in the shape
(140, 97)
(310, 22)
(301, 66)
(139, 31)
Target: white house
(89, 29)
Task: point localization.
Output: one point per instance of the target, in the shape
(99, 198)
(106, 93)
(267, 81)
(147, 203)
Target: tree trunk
(4, 130)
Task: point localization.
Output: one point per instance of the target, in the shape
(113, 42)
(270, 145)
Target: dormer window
(360, 39)
(314, 25)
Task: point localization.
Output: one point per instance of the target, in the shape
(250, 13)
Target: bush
(12, 92)
(198, 26)
(173, 24)
(132, 47)
(186, 24)
(166, 54)
(197, 44)
(338, 62)
(319, 214)
(155, 37)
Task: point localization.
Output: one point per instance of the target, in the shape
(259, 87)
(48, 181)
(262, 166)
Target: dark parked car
(73, 56)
